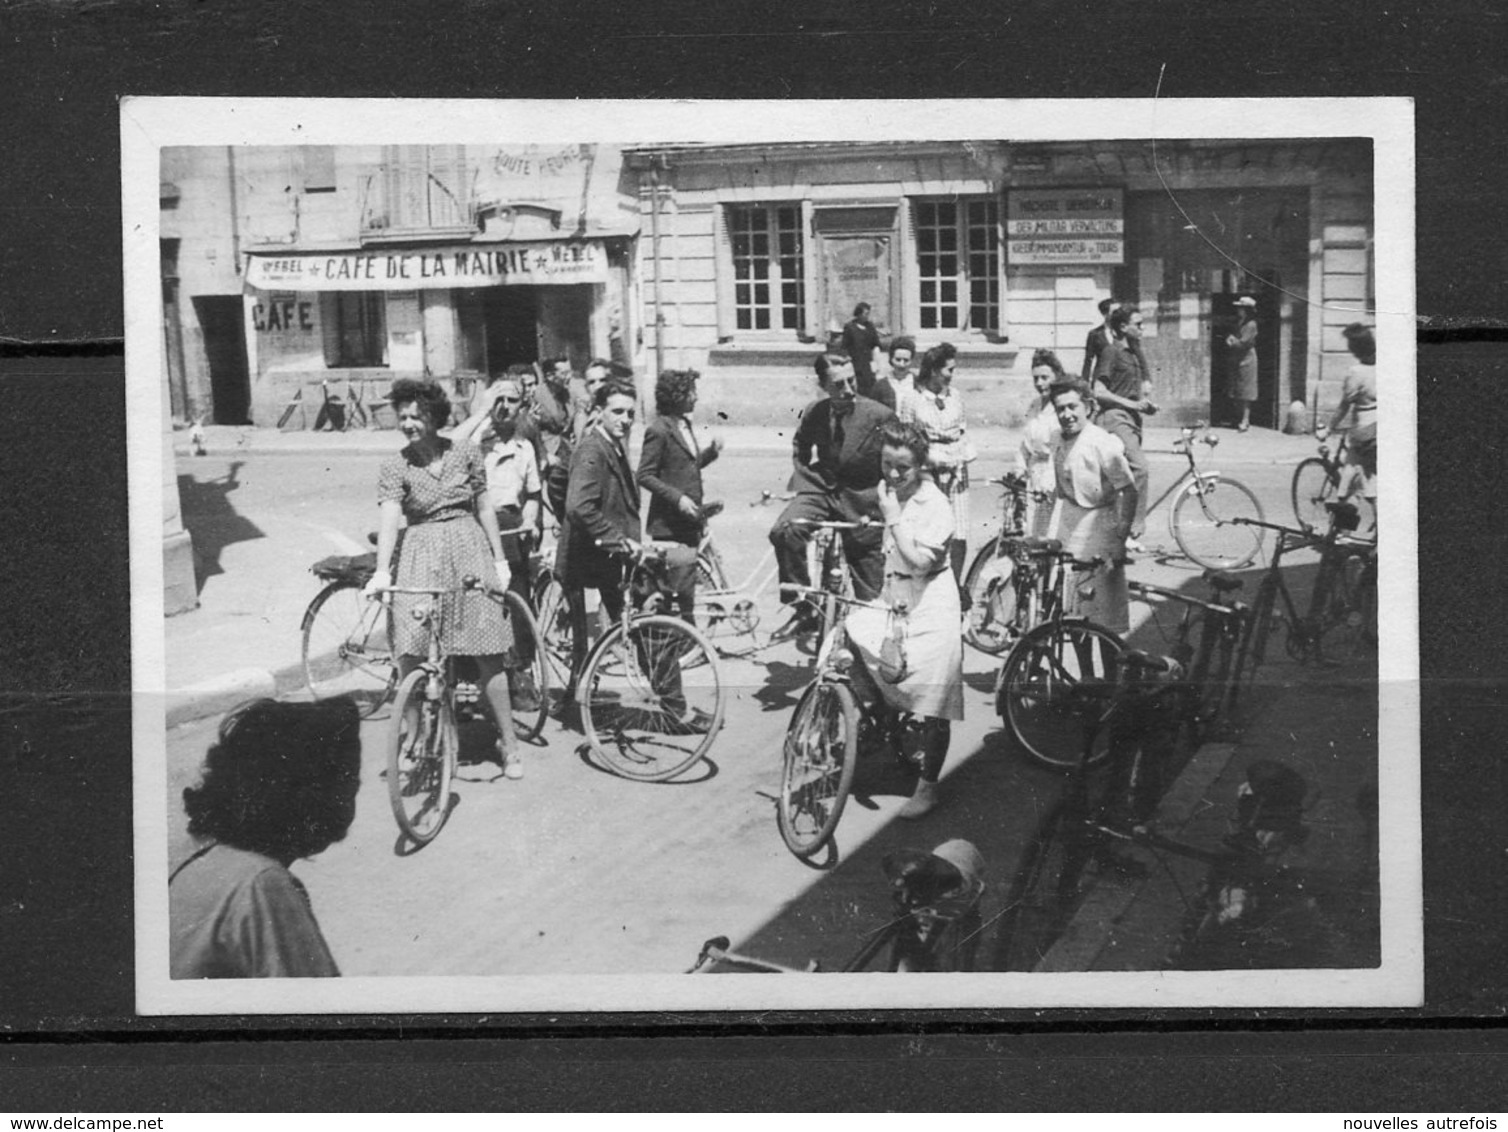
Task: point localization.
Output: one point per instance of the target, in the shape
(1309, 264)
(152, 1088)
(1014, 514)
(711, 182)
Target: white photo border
(150, 124)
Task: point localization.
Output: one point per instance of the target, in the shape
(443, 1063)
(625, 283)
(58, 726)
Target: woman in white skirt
(920, 606)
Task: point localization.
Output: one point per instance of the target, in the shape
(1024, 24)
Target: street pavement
(575, 871)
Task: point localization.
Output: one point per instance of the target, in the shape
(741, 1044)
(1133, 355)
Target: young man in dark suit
(836, 453)
(670, 469)
(601, 523)
(1098, 339)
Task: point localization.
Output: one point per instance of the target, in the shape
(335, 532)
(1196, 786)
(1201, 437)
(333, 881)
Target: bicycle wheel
(421, 757)
(1314, 485)
(347, 648)
(652, 699)
(1345, 622)
(553, 622)
(821, 748)
(529, 681)
(1202, 527)
(1053, 687)
(992, 624)
(1044, 890)
(1251, 653)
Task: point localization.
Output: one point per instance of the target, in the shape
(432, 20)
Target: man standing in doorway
(1122, 390)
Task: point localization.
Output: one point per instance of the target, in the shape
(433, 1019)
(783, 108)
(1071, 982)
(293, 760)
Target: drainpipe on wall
(655, 164)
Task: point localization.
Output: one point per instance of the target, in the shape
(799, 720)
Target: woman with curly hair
(1034, 457)
(279, 784)
(920, 607)
(440, 487)
(670, 469)
(935, 407)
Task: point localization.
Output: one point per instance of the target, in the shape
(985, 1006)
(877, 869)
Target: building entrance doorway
(221, 318)
(510, 316)
(1266, 410)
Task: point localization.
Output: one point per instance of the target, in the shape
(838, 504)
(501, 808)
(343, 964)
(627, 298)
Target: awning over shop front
(411, 269)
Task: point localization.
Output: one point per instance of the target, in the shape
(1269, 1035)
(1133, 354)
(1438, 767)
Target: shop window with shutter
(769, 279)
(354, 328)
(958, 264)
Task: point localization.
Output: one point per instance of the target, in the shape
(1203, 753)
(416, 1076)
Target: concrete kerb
(218, 695)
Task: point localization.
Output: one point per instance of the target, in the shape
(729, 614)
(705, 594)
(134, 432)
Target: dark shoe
(804, 621)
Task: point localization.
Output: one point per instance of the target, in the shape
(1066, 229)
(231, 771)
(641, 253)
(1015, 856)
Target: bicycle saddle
(357, 568)
(1222, 582)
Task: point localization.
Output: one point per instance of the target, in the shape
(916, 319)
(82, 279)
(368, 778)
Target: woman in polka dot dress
(440, 487)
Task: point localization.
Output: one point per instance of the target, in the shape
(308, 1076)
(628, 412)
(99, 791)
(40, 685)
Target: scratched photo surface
(1217, 277)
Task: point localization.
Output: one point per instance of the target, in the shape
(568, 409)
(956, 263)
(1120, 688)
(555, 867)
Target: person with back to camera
(1039, 434)
(1359, 397)
(1242, 345)
(670, 470)
(279, 784)
(921, 590)
(936, 408)
(1096, 505)
(860, 341)
(1122, 389)
(836, 473)
(898, 383)
(440, 487)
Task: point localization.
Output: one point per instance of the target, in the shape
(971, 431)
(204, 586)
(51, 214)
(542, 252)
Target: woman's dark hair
(1047, 358)
(896, 433)
(934, 360)
(1071, 383)
(1361, 343)
(903, 343)
(276, 781)
(673, 391)
(861, 310)
(613, 387)
(428, 395)
(521, 369)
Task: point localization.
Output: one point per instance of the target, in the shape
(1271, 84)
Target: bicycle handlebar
(837, 525)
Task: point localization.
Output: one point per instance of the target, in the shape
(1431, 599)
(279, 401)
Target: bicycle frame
(1184, 446)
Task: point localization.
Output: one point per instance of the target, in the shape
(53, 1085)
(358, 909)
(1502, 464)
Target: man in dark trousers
(860, 341)
(836, 453)
(670, 469)
(1122, 388)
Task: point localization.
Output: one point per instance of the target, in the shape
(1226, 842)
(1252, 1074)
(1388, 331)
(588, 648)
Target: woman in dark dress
(440, 487)
(1243, 359)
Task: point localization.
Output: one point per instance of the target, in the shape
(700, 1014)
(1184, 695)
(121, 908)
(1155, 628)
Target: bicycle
(1201, 520)
(936, 925)
(347, 644)
(1318, 480)
(1208, 694)
(650, 689)
(1035, 693)
(1098, 815)
(1000, 582)
(822, 740)
(1344, 595)
(422, 740)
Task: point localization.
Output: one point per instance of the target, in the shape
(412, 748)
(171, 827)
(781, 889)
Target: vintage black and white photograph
(929, 549)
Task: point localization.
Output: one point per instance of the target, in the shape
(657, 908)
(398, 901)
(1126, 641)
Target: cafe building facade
(293, 275)
(754, 256)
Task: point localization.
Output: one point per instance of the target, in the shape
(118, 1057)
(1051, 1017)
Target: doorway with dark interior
(221, 319)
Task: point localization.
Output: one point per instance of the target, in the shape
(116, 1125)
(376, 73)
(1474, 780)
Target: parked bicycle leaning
(911, 640)
(440, 487)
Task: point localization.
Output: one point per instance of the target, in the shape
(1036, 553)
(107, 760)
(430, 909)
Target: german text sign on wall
(1052, 226)
(406, 270)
